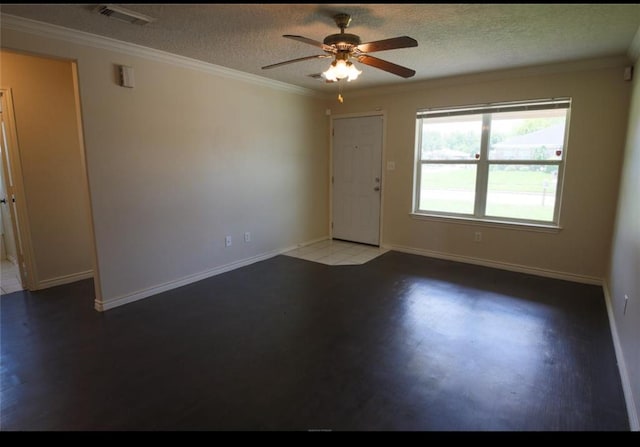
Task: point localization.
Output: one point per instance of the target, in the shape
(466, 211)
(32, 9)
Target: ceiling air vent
(120, 13)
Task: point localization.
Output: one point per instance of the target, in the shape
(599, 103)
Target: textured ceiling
(452, 39)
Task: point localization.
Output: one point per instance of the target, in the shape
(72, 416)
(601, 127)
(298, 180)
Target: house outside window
(498, 162)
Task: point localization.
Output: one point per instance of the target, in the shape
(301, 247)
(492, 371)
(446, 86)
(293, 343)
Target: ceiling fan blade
(315, 43)
(386, 66)
(388, 44)
(300, 59)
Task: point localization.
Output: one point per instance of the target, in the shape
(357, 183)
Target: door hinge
(332, 179)
(333, 132)
(332, 225)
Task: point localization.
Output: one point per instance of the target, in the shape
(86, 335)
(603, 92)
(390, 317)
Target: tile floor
(10, 278)
(334, 252)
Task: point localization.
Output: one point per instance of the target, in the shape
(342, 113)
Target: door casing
(19, 211)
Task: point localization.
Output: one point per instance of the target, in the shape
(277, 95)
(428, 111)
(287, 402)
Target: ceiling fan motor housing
(343, 41)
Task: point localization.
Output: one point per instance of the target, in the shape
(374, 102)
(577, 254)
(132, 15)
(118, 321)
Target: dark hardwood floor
(401, 343)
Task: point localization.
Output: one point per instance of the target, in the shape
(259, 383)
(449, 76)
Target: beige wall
(624, 276)
(186, 158)
(52, 164)
(597, 129)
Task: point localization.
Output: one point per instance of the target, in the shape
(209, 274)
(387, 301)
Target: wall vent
(126, 15)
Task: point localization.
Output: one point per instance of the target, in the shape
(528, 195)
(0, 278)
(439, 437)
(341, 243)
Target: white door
(356, 178)
(8, 242)
(8, 199)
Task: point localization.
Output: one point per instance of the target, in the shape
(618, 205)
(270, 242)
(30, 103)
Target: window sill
(542, 228)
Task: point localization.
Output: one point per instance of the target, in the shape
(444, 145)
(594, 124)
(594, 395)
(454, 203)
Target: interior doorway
(12, 262)
(10, 272)
(43, 155)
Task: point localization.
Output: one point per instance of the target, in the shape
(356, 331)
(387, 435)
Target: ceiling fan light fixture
(341, 69)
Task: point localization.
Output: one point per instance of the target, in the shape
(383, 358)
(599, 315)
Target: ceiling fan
(344, 46)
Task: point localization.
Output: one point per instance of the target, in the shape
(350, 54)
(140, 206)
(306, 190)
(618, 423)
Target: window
(499, 162)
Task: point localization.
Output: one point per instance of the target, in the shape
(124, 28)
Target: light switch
(126, 76)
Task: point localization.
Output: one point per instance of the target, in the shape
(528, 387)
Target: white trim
(632, 412)
(101, 305)
(65, 279)
(498, 265)
(383, 175)
(512, 225)
(634, 48)
(331, 177)
(50, 31)
(85, 179)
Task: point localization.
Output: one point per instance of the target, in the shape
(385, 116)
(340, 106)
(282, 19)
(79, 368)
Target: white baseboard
(498, 265)
(634, 422)
(304, 244)
(66, 279)
(129, 298)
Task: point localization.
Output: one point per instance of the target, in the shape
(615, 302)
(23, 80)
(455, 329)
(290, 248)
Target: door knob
(3, 201)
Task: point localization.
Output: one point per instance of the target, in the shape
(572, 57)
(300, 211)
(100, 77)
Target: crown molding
(49, 31)
(497, 75)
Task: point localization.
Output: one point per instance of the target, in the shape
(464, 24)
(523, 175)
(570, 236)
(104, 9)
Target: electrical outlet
(227, 241)
(247, 237)
(477, 237)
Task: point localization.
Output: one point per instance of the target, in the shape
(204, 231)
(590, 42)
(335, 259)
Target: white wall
(186, 158)
(598, 123)
(624, 275)
(53, 171)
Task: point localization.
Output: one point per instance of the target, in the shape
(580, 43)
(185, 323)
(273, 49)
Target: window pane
(451, 138)
(448, 188)
(522, 191)
(531, 135)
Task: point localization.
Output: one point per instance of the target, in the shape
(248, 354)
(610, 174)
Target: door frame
(24, 245)
(34, 280)
(383, 158)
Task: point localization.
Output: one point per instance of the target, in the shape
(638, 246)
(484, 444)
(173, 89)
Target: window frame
(483, 162)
